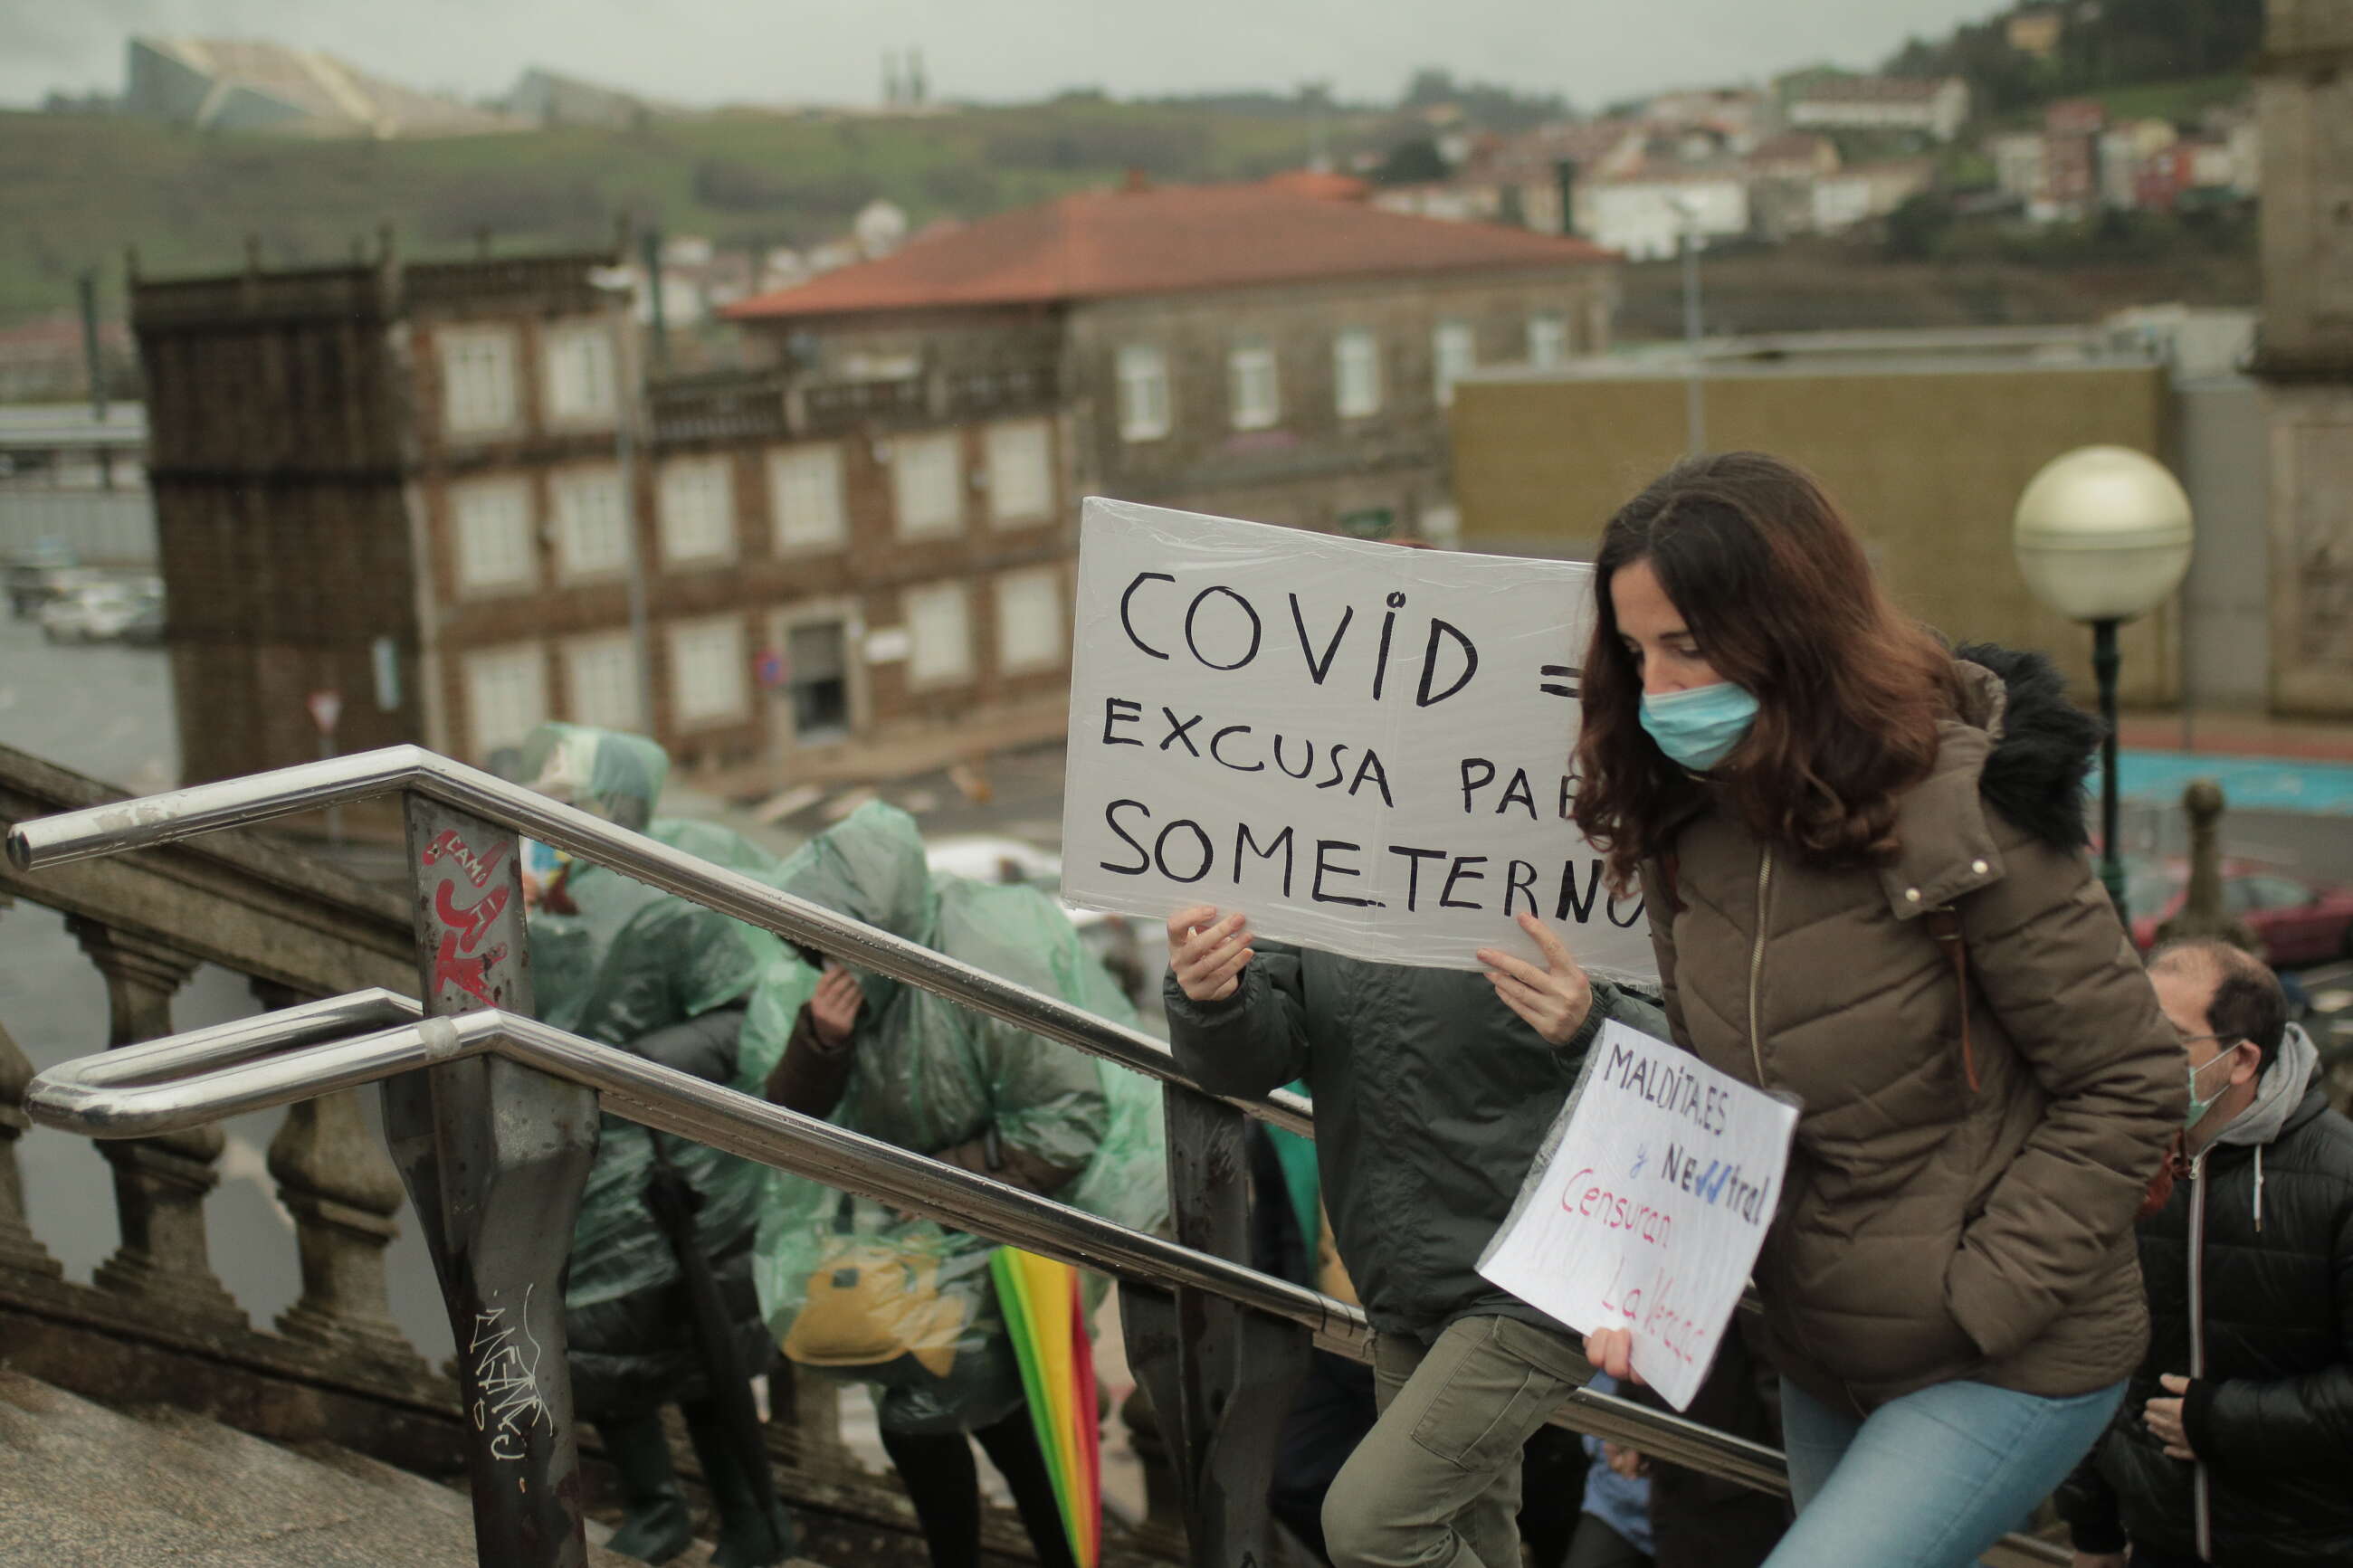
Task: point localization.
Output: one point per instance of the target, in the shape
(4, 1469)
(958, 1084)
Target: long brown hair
(1774, 586)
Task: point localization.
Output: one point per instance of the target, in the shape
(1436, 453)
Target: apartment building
(426, 487)
(1257, 351)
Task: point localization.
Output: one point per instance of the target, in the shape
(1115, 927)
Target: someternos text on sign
(1365, 748)
(1646, 1209)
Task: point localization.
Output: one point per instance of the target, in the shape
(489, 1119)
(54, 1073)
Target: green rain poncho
(929, 1075)
(634, 967)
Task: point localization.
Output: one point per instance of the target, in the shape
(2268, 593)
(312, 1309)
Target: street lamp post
(2102, 535)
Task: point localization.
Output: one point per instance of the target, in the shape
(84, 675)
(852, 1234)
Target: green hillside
(77, 190)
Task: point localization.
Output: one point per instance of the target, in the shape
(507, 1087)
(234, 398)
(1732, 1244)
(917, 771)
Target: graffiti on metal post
(455, 961)
(506, 1381)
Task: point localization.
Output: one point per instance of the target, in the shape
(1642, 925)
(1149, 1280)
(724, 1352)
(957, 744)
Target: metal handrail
(340, 781)
(187, 1080)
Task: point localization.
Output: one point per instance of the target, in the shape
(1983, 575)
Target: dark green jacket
(1431, 1098)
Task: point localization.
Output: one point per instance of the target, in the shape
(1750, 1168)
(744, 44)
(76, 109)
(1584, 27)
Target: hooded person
(903, 1304)
(628, 965)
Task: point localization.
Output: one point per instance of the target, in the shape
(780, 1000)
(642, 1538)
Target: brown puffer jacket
(1929, 1232)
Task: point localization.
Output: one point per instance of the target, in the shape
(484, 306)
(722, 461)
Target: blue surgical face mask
(1698, 727)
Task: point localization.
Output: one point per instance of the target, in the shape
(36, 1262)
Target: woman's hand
(1612, 1351)
(1626, 1462)
(1554, 999)
(833, 1011)
(1206, 953)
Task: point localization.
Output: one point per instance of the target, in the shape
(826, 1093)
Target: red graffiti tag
(468, 974)
(471, 923)
(478, 868)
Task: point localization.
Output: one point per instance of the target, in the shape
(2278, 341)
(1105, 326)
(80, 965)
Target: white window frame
(1253, 385)
(1020, 472)
(1045, 591)
(525, 661)
(492, 537)
(690, 537)
(692, 704)
(581, 357)
(481, 392)
(616, 651)
(808, 503)
(1549, 344)
(929, 665)
(1450, 341)
(1142, 372)
(1357, 373)
(927, 498)
(584, 518)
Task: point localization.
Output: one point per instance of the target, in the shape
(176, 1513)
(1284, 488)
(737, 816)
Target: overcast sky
(709, 51)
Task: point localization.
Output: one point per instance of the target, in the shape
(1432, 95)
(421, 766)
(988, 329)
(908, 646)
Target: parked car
(37, 575)
(145, 629)
(2298, 920)
(99, 611)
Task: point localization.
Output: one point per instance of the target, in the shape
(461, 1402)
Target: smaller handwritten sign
(1646, 1209)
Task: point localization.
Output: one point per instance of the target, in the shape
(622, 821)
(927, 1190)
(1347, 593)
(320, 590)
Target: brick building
(405, 483)
(2304, 100)
(1253, 350)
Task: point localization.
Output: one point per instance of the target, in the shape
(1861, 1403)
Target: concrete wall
(1928, 465)
(2304, 105)
(2311, 456)
(2226, 601)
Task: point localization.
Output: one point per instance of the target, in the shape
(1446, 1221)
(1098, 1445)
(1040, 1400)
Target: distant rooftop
(1163, 240)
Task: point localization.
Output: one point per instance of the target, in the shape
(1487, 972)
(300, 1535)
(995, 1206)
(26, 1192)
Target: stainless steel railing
(300, 1052)
(339, 781)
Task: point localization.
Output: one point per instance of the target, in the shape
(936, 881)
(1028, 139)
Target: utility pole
(94, 356)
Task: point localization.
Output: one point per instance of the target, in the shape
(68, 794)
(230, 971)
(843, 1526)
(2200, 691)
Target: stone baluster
(160, 1183)
(336, 1179)
(806, 1408)
(1161, 1533)
(20, 1252)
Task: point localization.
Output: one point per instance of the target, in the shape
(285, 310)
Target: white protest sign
(1648, 1205)
(1364, 748)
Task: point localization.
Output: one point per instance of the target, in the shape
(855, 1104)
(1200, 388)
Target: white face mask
(2199, 1108)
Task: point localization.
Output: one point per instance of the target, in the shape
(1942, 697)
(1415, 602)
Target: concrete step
(86, 1487)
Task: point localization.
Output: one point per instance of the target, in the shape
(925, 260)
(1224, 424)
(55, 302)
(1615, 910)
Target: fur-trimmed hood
(2044, 745)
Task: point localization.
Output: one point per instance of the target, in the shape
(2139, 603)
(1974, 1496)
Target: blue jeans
(1931, 1479)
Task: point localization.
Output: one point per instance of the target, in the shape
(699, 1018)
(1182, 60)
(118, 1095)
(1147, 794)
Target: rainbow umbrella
(1040, 1301)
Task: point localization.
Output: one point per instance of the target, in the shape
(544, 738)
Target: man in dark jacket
(1433, 1089)
(2235, 1443)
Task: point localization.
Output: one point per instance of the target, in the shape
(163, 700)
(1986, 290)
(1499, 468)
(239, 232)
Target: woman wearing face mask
(1863, 859)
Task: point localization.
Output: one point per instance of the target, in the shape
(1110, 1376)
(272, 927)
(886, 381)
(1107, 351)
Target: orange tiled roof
(1163, 240)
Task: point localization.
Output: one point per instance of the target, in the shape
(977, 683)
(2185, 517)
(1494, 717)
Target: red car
(2299, 921)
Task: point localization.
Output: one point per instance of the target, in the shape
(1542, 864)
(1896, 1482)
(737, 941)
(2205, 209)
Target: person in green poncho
(901, 1303)
(622, 964)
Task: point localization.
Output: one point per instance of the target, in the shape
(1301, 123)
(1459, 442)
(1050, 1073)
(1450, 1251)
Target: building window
(506, 696)
(600, 683)
(697, 511)
(1143, 393)
(1029, 620)
(478, 379)
(1547, 341)
(581, 383)
(494, 543)
(929, 479)
(805, 495)
(1454, 349)
(939, 633)
(592, 525)
(817, 679)
(1357, 373)
(706, 678)
(1253, 395)
(1020, 472)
